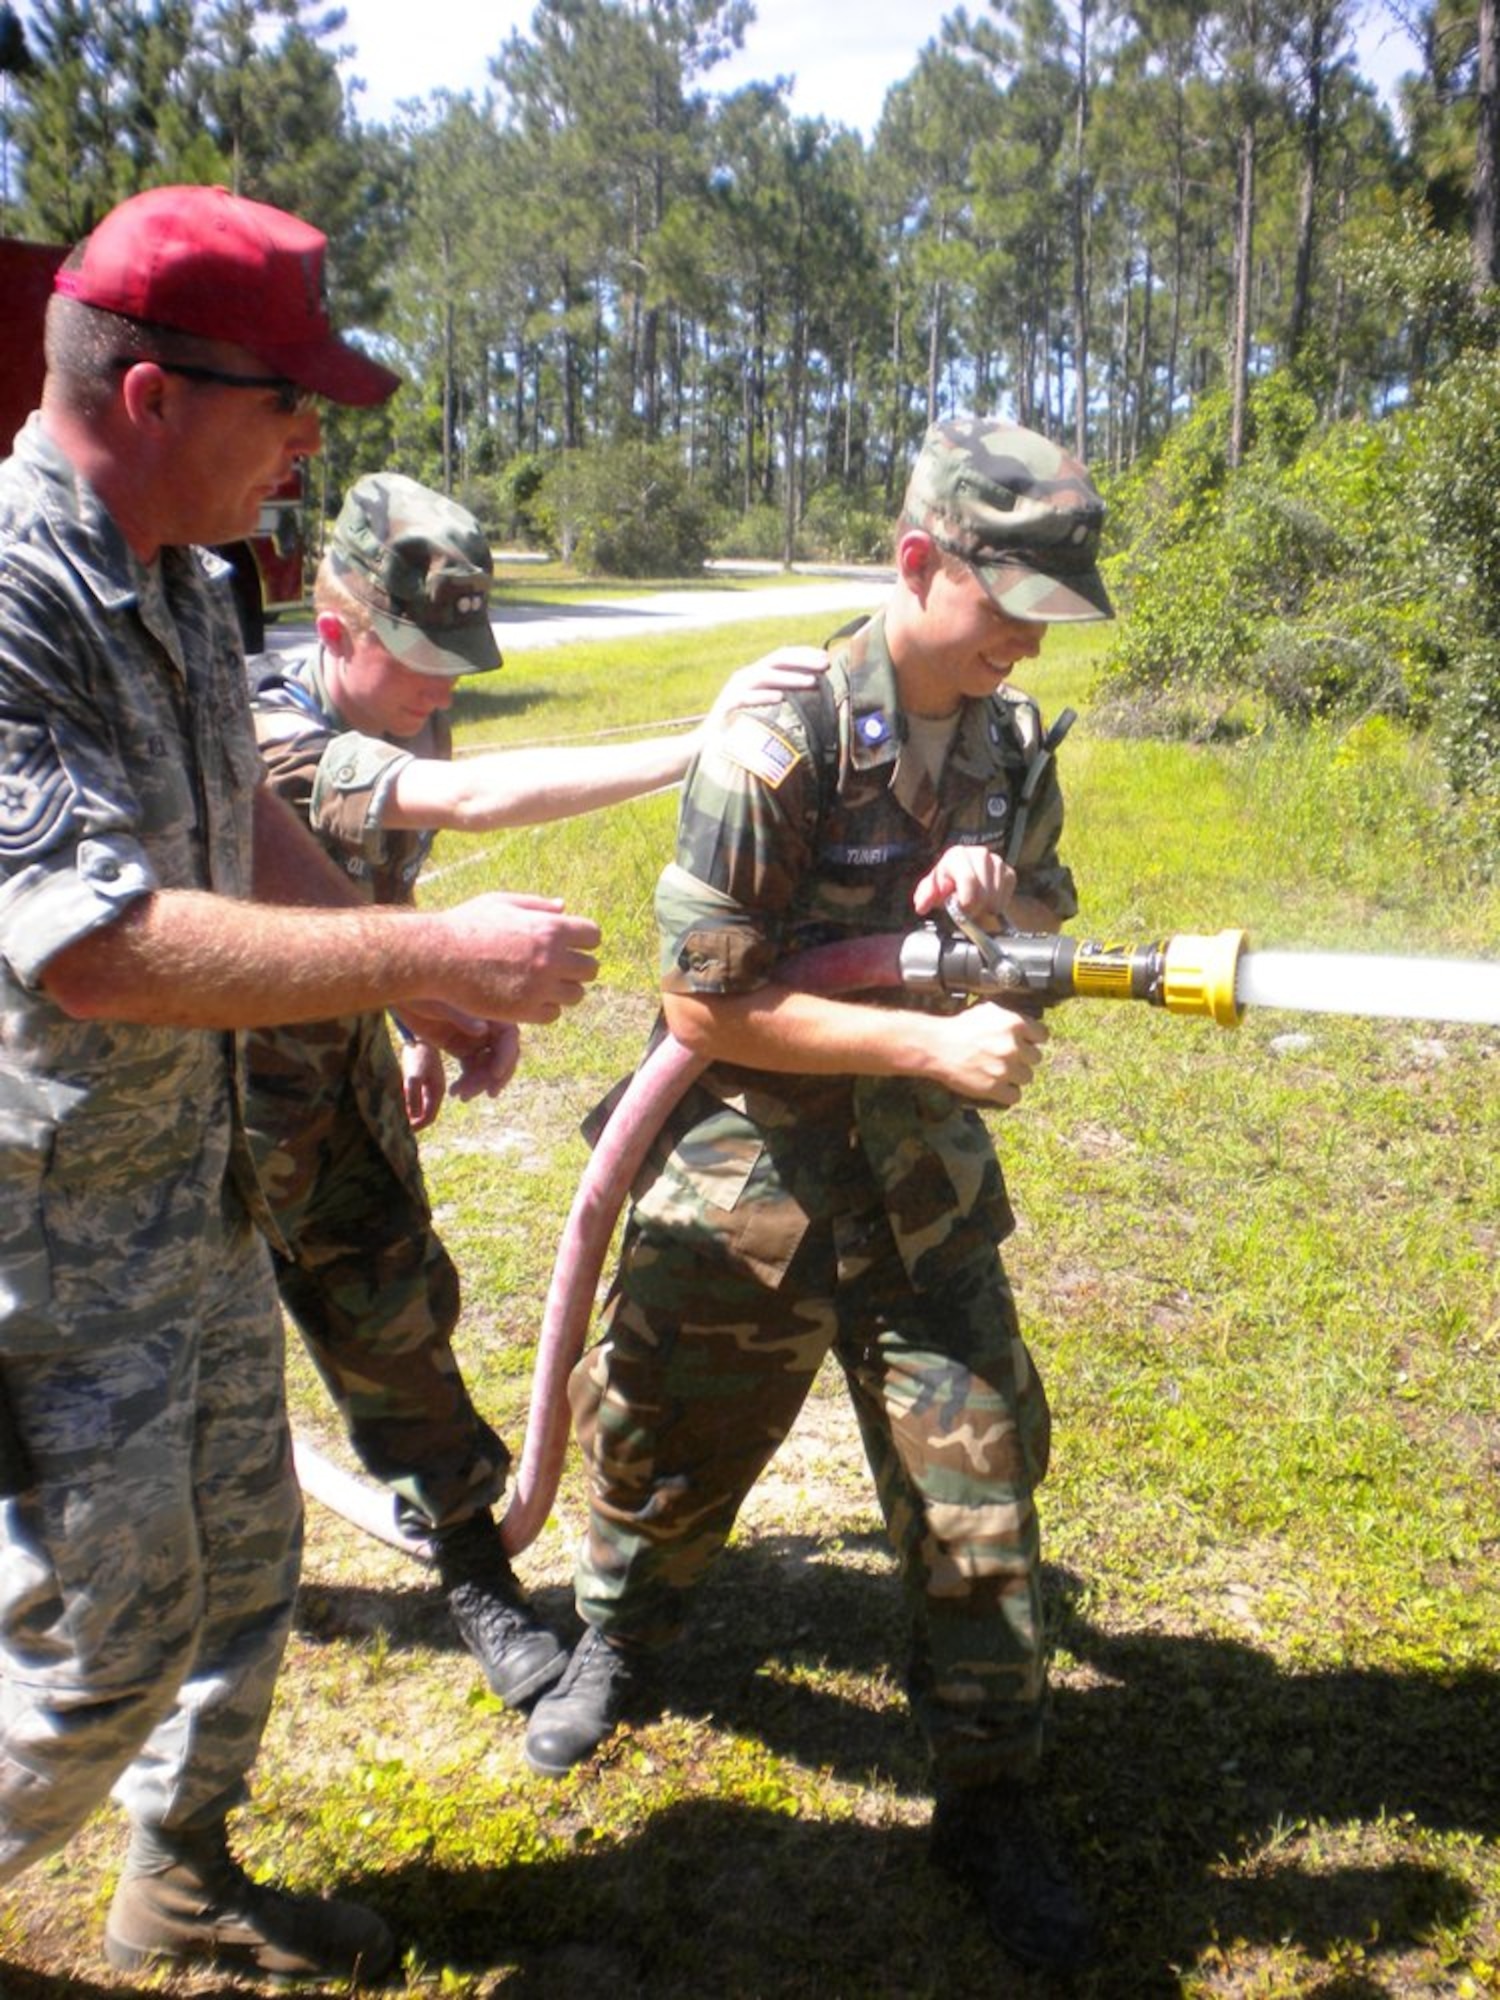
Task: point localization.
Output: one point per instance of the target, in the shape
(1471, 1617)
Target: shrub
(837, 527)
(1308, 576)
(624, 510)
(757, 535)
(1212, 563)
(517, 493)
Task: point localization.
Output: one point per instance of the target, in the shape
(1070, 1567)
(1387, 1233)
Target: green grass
(1258, 1269)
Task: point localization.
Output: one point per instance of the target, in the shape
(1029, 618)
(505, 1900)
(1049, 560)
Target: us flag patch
(759, 749)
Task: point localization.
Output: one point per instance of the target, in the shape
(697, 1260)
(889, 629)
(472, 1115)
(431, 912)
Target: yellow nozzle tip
(1198, 975)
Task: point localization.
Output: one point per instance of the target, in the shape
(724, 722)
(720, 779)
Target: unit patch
(757, 748)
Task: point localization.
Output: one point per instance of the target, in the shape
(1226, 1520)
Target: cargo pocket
(718, 1189)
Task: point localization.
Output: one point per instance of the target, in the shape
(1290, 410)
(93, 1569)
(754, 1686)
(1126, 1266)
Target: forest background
(642, 321)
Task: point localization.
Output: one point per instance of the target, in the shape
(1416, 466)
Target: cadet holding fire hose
(354, 735)
(827, 1183)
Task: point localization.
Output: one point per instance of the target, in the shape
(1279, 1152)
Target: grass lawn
(1258, 1270)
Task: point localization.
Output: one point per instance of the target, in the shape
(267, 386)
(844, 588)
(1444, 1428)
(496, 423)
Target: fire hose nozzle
(1185, 974)
(1200, 974)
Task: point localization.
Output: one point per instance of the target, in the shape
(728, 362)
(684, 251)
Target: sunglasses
(291, 398)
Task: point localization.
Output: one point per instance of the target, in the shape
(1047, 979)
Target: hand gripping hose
(660, 1082)
(1187, 975)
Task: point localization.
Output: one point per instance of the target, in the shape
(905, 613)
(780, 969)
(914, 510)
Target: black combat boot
(992, 1840)
(183, 1897)
(519, 1656)
(603, 1685)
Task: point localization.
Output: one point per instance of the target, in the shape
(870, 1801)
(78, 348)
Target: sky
(844, 54)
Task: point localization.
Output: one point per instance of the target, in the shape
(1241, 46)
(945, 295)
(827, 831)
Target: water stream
(1393, 989)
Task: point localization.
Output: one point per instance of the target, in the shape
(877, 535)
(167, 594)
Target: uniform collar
(79, 521)
(877, 726)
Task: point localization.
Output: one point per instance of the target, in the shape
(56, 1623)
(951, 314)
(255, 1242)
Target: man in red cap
(150, 1529)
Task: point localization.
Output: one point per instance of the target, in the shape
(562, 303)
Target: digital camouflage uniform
(364, 1275)
(148, 1570)
(780, 1217)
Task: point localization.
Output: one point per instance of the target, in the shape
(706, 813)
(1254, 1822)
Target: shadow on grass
(709, 1897)
(712, 1896)
(1174, 1758)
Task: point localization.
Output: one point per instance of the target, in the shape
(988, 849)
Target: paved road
(522, 628)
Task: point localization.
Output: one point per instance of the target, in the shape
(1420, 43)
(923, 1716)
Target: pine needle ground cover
(1258, 1269)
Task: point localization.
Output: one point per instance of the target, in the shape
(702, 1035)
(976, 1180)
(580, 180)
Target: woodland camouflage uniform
(363, 1271)
(781, 1217)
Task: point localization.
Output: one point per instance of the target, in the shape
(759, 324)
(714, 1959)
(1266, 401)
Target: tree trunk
(1486, 192)
(1080, 245)
(1244, 267)
(1312, 169)
(449, 390)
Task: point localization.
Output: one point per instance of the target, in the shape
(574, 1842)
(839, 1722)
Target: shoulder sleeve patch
(754, 746)
(36, 793)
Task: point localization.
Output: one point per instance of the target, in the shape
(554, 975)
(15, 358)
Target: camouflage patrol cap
(421, 564)
(1021, 510)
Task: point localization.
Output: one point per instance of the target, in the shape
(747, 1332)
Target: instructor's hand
(515, 958)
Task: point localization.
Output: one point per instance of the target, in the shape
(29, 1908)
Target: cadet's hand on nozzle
(518, 958)
(987, 1053)
(979, 881)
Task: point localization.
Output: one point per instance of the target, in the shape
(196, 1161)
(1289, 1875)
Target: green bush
(1212, 565)
(1342, 570)
(1347, 568)
(517, 492)
(757, 535)
(837, 527)
(623, 510)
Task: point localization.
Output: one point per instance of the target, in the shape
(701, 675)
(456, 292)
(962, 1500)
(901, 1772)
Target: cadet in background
(355, 737)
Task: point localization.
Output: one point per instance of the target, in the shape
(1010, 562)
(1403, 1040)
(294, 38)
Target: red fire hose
(657, 1086)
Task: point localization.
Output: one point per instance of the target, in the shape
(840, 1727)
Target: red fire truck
(268, 566)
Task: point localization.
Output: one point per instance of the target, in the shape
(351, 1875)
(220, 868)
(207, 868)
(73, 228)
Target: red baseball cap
(202, 260)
